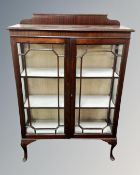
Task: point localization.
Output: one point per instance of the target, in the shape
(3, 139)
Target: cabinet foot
(24, 143)
(24, 147)
(113, 143)
(111, 151)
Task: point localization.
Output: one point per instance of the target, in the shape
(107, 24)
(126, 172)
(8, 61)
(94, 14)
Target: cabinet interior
(42, 77)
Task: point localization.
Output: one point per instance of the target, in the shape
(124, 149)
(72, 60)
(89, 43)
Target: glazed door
(96, 85)
(68, 87)
(42, 74)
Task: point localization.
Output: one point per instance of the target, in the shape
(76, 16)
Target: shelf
(86, 73)
(43, 72)
(96, 72)
(45, 101)
(94, 101)
(45, 124)
(51, 101)
(100, 124)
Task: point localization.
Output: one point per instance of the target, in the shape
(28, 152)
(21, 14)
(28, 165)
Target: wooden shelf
(51, 101)
(86, 73)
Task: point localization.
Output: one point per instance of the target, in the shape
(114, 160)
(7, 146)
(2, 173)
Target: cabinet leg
(24, 147)
(24, 143)
(111, 151)
(113, 143)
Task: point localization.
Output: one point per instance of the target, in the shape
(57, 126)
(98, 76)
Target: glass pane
(46, 121)
(97, 74)
(42, 77)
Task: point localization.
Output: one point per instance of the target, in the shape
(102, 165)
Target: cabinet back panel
(95, 56)
(44, 86)
(38, 57)
(90, 114)
(93, 86)
(47, 114)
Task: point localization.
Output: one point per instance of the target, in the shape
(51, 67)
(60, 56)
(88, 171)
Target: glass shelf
(86, 73)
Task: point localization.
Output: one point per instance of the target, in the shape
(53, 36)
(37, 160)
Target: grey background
(70, 156)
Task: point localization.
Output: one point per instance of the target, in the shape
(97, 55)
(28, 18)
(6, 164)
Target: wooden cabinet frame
(31, 31)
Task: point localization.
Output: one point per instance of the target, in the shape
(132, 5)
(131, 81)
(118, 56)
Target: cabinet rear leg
(24, 143)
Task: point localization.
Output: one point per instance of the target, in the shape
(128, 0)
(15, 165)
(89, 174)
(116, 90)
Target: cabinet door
(97, 77)
(42, 77)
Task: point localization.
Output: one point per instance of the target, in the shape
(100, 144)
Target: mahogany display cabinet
(69, 72)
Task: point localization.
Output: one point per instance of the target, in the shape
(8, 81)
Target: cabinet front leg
(24, 147)
(113, 143)
(24, 143)
(111, 151)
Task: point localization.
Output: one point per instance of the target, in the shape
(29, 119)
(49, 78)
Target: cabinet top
(70, 22)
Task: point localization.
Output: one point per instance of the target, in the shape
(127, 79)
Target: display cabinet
(69, 72)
